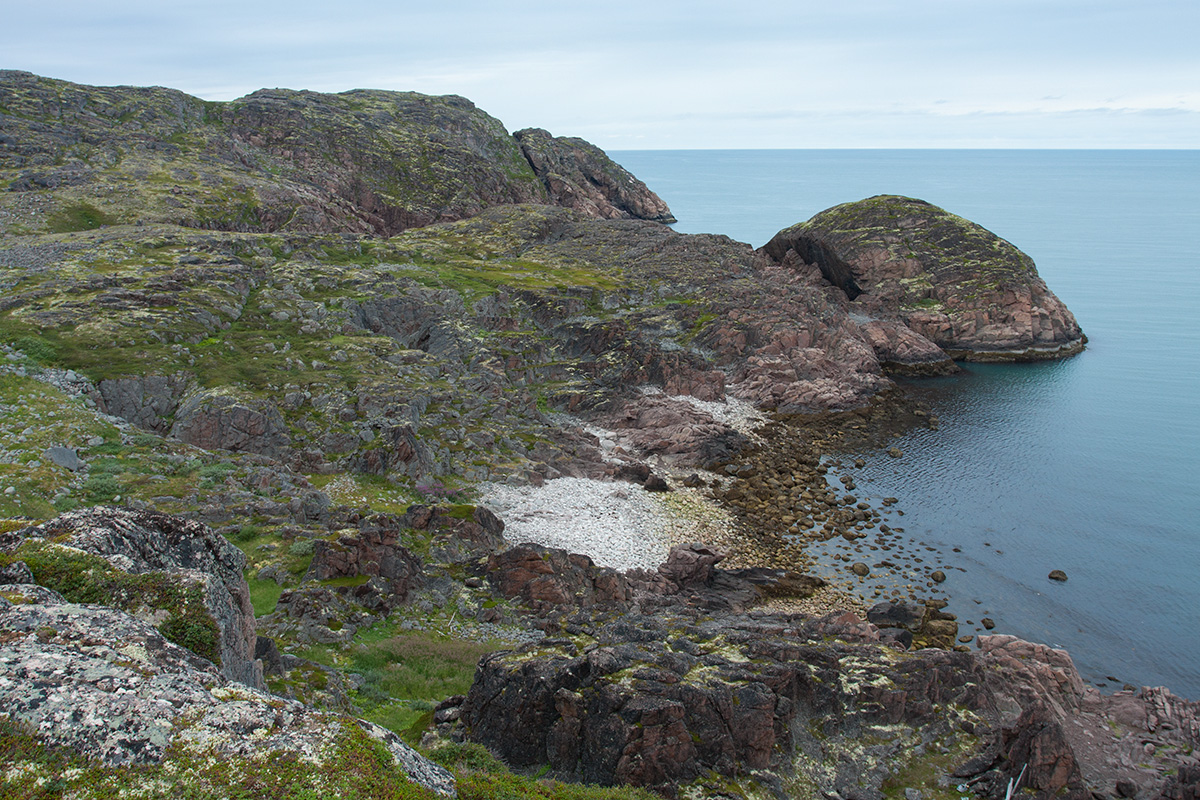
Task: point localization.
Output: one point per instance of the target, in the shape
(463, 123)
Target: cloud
(639, 68)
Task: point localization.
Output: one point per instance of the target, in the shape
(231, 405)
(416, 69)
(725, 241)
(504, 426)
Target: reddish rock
(954, 283)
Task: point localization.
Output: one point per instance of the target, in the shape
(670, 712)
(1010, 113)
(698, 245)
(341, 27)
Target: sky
(676, 75)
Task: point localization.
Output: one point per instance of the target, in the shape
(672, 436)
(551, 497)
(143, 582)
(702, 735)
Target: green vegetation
(406, 674)
(78, 217)
(264, 594)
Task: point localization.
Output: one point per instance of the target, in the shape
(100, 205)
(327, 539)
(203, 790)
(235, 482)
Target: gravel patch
(618, 525)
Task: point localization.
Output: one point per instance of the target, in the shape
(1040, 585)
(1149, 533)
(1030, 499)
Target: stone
(64, 457)
(109, 686)
(216, 420)
(897, 614)
(1058, 575)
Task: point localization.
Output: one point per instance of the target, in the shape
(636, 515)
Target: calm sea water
(1090, 465)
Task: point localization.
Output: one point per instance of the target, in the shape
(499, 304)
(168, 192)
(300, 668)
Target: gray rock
(137, 541)
(64, 457)
(109, 686)
(148, 401)
(216, 420)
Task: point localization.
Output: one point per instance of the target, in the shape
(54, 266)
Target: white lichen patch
(134, 652)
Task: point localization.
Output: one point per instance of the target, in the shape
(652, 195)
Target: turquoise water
(1090, 465)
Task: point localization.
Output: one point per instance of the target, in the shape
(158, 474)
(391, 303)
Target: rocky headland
(346, 434)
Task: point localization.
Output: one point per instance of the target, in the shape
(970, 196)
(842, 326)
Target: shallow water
(1089, 465)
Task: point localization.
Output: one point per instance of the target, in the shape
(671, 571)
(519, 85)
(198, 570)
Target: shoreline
(822, 522)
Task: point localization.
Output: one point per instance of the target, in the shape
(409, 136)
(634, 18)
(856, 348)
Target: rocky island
(352, 446)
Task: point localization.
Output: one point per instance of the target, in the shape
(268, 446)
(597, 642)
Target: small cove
(1089, 465)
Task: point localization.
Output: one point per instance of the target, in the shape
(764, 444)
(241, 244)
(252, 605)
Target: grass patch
(78, 217)
(405, 675)
(264, 594)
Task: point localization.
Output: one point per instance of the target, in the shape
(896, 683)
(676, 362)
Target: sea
(1090, 465)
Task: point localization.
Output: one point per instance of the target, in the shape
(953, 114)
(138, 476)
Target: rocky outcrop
(662, 703)
(110, 687)
(363, 161)
(954, 283)
(357, 578)
(220, 420)
(138, 542)
(547, 579)
(579, 175)
(148, 401)
(680, 702)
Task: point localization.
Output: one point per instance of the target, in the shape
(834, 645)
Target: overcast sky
(698, 74)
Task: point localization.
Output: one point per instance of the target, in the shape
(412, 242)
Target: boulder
(220, 420)
(897, 614)
(139, 541)
(147, 401)
(110, 687)
(547, 579)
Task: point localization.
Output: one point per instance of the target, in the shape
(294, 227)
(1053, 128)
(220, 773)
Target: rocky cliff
(358, 162)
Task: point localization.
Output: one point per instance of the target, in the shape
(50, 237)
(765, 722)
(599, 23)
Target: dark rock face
(216, 420)
(148, 401)
(579, 175)
(144, 541)
(658, 709)
(952, 282)
(675, 697)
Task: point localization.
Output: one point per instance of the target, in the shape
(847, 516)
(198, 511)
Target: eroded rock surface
(782, 701)
(579, 175)
(136, 542)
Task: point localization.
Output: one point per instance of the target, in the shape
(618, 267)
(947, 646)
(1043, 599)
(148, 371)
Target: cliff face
(361, 161)
(579, 175)
(963, 288)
